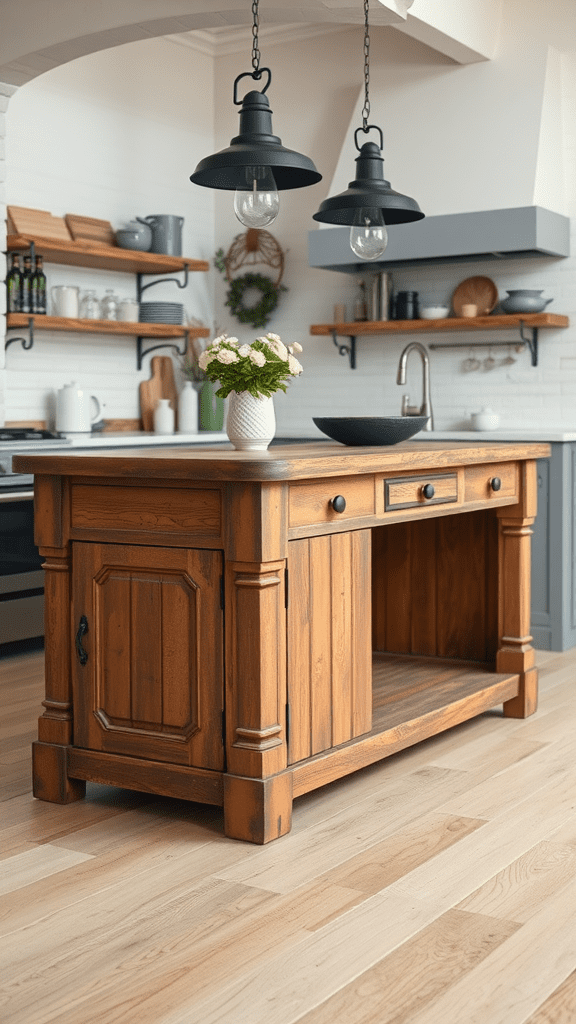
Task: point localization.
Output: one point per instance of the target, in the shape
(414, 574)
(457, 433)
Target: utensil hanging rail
(530, 340)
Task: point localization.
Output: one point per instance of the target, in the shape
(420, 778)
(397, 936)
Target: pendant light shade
(255, 165)
(369, 190)
(256, 147)
(369, 203)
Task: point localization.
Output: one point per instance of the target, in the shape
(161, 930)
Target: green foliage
(259, 314)
(237, 367)
(220, 261)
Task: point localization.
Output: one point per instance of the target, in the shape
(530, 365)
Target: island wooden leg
(515, 653)
(257, 810)
(50, 753)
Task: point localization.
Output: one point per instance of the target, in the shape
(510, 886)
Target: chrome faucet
(426, 408)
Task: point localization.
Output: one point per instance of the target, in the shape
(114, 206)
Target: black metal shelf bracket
(141, 352)
(142, 287)
(28, 342)
(346, 350)
(532, 342)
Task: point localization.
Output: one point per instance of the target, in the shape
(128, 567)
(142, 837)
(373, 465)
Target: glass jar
(89, 306)
(109, 306)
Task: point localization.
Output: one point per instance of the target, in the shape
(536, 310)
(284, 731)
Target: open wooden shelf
(104, 257)
(412, 700)
(60, 323)
(480, 323)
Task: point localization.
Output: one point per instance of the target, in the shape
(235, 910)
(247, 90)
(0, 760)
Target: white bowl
(485, 420)
(434, 312)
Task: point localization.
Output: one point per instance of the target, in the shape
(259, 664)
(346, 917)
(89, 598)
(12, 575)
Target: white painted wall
(113, 135)
(482, 136)
(486, 136)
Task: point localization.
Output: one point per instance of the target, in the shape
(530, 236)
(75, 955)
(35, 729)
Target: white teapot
(74, 410)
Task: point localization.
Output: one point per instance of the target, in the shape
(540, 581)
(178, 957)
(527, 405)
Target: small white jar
(128, 310)
(163, 417)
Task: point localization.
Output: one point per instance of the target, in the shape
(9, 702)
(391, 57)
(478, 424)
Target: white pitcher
(74, 410)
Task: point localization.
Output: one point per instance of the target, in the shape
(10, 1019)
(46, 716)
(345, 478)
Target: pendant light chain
(255, 50)
(366, 107)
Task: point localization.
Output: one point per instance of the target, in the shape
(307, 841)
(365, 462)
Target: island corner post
(189, 590)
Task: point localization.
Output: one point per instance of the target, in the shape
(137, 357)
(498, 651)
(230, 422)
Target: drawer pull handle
(338, 503)
(82, 630)
(428, 491)
(495, 483)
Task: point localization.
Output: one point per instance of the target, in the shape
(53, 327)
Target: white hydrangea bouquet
(260, 368)
(250, 374)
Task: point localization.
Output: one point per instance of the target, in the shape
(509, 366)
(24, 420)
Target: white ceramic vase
(163, 417)
(251, 423)
(188, 410)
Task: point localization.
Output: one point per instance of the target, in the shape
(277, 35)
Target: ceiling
(37, 36)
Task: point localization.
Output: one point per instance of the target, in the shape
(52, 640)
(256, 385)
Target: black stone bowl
(370, 430)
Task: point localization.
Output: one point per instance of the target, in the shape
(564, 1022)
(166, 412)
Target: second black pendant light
(369, 203)
(256, 166)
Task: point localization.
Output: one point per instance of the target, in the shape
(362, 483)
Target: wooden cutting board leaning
(160, 385)
(39, 223)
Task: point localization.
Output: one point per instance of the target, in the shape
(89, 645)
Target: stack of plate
(161, 312)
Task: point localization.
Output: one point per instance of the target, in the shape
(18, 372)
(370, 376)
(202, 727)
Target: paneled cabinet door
(329, 641)
(148, 677)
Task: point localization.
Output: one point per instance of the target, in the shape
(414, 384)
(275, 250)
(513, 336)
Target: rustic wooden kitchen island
(238, 628)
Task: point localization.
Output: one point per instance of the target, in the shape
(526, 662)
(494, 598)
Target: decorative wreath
(259, 314)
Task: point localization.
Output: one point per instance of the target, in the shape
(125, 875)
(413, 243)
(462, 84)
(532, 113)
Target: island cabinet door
(148, 675)
(329, 641)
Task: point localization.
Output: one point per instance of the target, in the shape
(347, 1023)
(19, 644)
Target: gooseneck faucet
(426, 408)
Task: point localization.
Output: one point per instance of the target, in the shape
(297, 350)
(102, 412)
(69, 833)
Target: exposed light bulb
(257, 203)
(368, 235)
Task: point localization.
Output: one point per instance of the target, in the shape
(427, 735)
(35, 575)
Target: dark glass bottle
(13, 281)
(39, 287)
(26, 286)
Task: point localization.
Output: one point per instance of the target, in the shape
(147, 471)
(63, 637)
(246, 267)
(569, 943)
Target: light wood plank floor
(437, 887)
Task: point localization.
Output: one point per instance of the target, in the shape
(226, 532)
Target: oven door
(21, 578)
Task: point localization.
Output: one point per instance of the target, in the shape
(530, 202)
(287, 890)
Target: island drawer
(496, 480)
(313, 502)
(417, 491)
(136, 509)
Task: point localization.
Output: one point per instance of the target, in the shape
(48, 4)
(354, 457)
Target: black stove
(27, 434)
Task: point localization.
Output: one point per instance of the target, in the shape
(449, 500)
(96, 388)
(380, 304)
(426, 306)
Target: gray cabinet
(553, 607)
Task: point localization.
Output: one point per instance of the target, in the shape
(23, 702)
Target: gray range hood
(524, 231)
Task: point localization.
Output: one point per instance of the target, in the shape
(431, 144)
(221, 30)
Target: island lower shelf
(412, 700)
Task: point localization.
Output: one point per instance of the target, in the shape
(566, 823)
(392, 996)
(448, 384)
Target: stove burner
(26, 434)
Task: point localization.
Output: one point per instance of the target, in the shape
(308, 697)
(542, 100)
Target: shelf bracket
(142, 287)
(140, 352)
(28, 342)
(346, 350)
(531, 341)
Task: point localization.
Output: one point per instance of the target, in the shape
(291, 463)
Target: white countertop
(544, 434)
(129, 439)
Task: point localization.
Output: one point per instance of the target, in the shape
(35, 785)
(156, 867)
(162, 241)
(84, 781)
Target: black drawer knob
(428, 490)
(495, 483)
(338, 503)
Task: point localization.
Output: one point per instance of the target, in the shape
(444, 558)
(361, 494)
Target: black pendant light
(255, 164)
(368, 204)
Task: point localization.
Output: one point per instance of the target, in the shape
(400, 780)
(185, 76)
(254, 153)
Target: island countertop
(289, 462)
